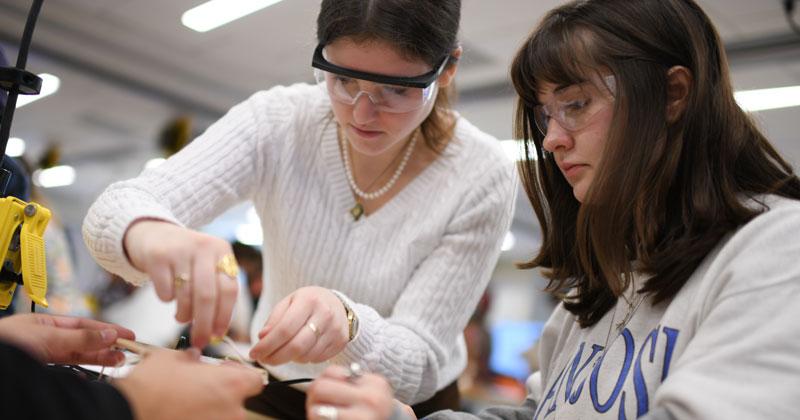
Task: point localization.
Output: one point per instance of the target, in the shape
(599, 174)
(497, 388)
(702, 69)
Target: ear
(450, 71)
(679, 86)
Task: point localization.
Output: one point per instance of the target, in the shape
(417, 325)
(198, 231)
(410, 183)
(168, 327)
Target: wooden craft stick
(142, 349)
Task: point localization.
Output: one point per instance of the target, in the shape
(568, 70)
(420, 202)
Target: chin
(369, 149)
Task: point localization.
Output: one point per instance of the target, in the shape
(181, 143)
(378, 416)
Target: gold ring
(227, 266)
(313, 327)
(180, 280)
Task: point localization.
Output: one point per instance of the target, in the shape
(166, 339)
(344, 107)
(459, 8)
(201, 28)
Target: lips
(570, 170)
(365, 133)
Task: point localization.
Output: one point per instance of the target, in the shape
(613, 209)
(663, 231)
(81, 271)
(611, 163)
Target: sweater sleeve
(30, 390)
(409, 346)
(743, 360)
(215, 171)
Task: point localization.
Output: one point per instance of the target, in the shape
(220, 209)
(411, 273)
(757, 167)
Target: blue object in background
(509, 340)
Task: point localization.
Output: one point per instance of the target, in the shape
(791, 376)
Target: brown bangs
(561, 53)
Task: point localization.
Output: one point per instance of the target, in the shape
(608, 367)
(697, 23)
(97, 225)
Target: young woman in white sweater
(383, 211)
(670, 228)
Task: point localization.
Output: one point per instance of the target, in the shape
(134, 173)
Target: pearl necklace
(358, 210)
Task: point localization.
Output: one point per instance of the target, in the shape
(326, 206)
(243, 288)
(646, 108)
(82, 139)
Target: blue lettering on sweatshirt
(573, 375)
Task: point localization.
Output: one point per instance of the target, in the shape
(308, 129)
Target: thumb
(65, 345)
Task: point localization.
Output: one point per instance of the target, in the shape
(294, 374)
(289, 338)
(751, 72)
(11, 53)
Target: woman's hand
(338, 394)
(308, 326)
(184, 265)
(61, 339)
(170, 385)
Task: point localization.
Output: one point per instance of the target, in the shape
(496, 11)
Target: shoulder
(296, 94)
(478, 154)
(763, 253)
(777, 223)
(299, 102)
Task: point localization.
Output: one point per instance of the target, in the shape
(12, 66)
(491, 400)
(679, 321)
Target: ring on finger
(313, 327)
(355, 371)
(227, 265)
(180, 280)
(326, 412)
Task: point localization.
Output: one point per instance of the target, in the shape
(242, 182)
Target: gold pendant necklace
(357, 211)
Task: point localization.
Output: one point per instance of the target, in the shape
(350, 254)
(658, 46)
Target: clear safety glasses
(574, 106)
(387, 93)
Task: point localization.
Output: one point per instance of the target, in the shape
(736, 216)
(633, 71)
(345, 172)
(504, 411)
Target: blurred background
(129, 84)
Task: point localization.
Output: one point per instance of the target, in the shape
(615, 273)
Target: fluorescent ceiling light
(763, 99)
(50, 85)
(57, 176)
(15, 147)
(216, 13)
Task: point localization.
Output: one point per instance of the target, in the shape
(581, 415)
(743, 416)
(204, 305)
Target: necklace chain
(383, 190)
(631, 310)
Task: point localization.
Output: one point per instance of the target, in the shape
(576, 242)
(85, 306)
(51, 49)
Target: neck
(375, 169)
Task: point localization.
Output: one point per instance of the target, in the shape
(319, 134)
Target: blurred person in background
(669, 223)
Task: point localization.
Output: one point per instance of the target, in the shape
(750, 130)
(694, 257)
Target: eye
(575, 107)
(343, 79)
(398, 90)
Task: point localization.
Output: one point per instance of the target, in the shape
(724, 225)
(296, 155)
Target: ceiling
(127, 67)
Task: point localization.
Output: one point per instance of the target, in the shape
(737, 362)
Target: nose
(364, 110)
(557, 137)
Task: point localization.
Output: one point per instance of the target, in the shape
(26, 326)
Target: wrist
(131, 236)
(351, 317)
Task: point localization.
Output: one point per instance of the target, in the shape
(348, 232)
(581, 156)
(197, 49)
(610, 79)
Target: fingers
(302, 344)
(244, 381)
(89, 324)
(276, 315)
(167, 252)
(367, 397)
(204, 297)
(163, 278)
(106, 357)
(183, 296)
(228, 289)
(283, 332)
(331, 391)
(68, 345)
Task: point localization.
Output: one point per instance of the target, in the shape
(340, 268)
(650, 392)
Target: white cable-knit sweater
(413, 271)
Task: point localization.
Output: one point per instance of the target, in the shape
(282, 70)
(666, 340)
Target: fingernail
(120, 360)
(108, 335)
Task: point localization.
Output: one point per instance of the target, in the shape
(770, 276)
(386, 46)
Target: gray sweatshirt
(727, 346)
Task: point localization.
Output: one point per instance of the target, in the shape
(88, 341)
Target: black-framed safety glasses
(389, 93)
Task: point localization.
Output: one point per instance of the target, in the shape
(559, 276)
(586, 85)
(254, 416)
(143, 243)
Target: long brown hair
(420, 29)
(665, 193)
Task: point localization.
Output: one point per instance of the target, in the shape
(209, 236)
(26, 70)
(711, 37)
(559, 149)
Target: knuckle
(294, 348)
(282, 332)
(228, 288)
